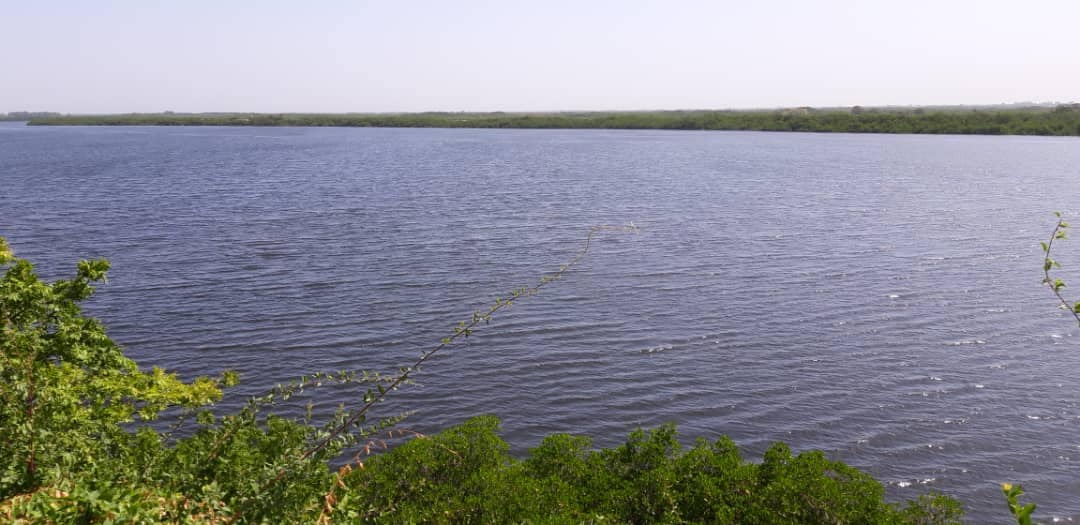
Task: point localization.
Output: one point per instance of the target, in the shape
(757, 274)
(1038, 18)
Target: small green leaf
(6, 254)
(230, 378)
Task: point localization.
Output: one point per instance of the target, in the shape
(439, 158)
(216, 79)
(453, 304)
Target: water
(873, 296)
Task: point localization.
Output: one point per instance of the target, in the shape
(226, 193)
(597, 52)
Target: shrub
(75, 447)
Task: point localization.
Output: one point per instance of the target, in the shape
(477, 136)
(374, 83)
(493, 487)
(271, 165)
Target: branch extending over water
(1056, 284)
(343, 430)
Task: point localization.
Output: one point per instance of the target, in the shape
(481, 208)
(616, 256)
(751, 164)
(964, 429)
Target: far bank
(1062, 120)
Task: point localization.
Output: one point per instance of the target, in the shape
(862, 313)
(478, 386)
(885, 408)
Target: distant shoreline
(1062, 120)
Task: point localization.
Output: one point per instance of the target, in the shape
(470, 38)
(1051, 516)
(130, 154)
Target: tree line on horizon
(1062, 120)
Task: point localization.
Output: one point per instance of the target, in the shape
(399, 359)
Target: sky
(112, 56)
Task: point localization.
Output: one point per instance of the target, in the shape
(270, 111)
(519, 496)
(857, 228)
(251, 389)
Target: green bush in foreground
(75, 448)
(464, 475)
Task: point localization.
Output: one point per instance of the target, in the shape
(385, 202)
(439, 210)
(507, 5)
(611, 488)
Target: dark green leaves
(465, 475)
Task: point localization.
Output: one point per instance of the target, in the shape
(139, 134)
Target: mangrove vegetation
(1060, 120)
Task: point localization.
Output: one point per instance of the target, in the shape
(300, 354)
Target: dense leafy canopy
(465, 475)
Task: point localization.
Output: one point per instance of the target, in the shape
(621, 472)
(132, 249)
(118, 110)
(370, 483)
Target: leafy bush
(465, 475)
(65, 387)
(75, 447)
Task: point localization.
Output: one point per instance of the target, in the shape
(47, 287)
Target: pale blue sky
(335, 56)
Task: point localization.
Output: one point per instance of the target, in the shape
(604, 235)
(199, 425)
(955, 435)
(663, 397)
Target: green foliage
(1022, 513)
(1055, 284)
(932, 508)
(65, 387)
(1063, 120)
(75, 447)
(443, 477)
(464, 475)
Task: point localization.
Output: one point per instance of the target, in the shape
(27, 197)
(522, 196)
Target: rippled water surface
(874, 296)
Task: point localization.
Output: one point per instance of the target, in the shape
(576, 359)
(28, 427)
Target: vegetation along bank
(1060, 120)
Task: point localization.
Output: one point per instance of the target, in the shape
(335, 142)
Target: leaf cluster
(1022, 513)
(465, 475)
(66, 389)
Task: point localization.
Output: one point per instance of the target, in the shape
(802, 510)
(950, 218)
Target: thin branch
(464, 329)
(1055, 284)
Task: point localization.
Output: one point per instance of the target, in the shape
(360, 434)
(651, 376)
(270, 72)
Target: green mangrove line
(1062, 120)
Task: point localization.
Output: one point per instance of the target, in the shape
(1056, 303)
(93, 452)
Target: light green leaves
(1056, 284)
(67, 387)
(1022, 513)
(6, 255)
(230, 378)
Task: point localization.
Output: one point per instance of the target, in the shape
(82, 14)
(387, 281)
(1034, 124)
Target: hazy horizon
(336, 56)
(1047, 103)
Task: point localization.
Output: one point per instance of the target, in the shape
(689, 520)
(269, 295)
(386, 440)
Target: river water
(874, 296)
